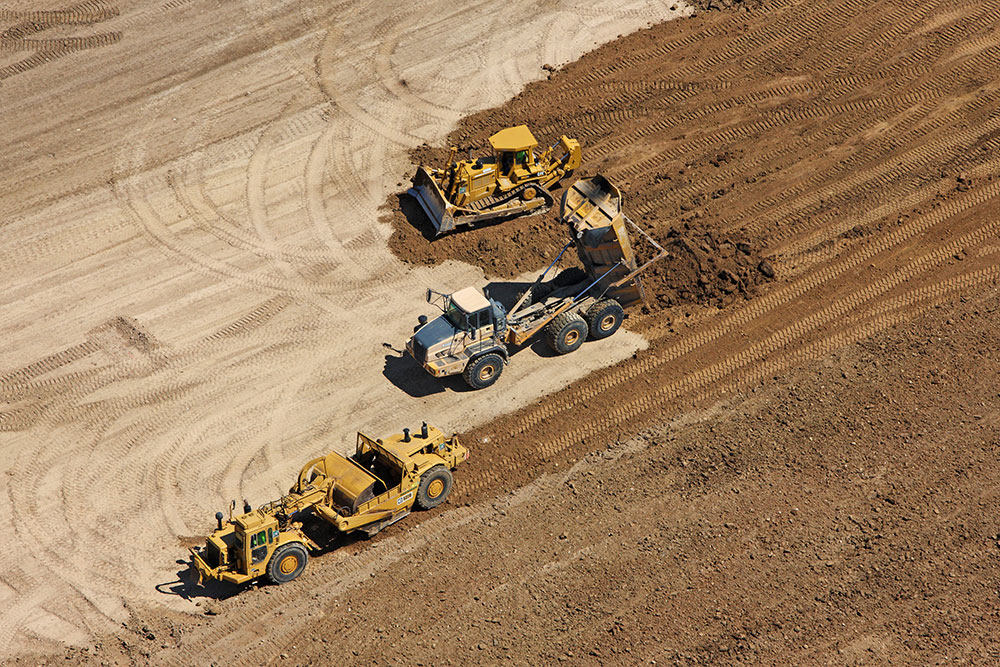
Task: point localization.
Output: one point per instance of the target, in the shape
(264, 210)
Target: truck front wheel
(287, 562)
(566, 333)
(483, 371)
(435, 485)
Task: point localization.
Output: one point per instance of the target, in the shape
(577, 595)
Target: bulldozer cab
(514, 150)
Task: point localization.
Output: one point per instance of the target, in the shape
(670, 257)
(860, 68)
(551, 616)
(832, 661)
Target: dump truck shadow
(404, 372)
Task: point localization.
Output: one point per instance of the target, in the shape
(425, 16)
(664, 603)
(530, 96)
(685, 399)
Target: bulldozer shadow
(415, 215)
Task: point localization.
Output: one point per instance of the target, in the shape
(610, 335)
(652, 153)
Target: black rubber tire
(278, 570)
(540, 292)
(604, 318)
(566, 332)
(435, 485)
(477, 372)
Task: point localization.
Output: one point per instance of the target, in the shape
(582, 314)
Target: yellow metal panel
(513, 139)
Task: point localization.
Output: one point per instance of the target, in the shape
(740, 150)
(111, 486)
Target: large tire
(287, 562)
(604, 318)
(435, 485)
(566, 332)
(483, 371)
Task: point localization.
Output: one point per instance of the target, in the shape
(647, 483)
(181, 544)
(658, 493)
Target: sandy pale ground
(196, 286)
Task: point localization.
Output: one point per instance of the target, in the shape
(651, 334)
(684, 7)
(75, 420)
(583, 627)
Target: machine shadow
(405, 373)
(316, 529)
(415, 215)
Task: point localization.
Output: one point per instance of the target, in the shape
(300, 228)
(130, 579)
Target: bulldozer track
(886, 173)
(48, 50)
(62, 45)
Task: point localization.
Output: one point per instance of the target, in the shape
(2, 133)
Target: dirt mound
(702, 268)
(504, 250)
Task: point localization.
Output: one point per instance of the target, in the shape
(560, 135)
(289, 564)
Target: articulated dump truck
(367, 491)
(474, 334)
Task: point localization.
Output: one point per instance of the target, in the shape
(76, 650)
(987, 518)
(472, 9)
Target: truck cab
(470, 325)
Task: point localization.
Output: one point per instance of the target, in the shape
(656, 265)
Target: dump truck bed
(592, 208)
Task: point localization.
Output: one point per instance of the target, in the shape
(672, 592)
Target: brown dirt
(807, 476)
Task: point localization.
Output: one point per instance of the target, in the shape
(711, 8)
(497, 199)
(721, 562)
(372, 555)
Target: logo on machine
(403, 498)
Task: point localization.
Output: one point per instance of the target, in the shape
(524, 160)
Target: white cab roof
(469, 299)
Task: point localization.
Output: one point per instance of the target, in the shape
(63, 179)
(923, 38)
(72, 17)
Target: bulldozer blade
(428, 194)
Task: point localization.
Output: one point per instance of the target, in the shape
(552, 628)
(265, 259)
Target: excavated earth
(800, 468)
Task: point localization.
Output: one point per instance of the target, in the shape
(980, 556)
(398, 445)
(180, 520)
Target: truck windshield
(456, 316)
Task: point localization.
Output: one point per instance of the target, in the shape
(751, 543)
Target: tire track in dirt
(775, 301)
(783, 205)
(162, 473)
(179, 422)
(48, 50)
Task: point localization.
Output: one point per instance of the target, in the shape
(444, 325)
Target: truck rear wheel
(435, 485)
(483, 371)
(566, 333)
(287, 562)
(604, 318)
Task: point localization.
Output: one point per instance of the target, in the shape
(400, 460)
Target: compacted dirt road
(799, 467)
(197, 287)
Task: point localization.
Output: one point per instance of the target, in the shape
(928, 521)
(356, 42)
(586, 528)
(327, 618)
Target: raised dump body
(593, 210)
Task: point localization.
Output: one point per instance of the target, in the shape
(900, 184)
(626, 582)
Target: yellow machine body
(377, 485)
(513, 181)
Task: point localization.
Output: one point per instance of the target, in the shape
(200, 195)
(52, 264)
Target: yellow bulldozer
(513, 181)
(374, 487)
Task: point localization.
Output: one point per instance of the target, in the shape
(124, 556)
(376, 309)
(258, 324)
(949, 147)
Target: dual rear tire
(567, 332)
(604, 318)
